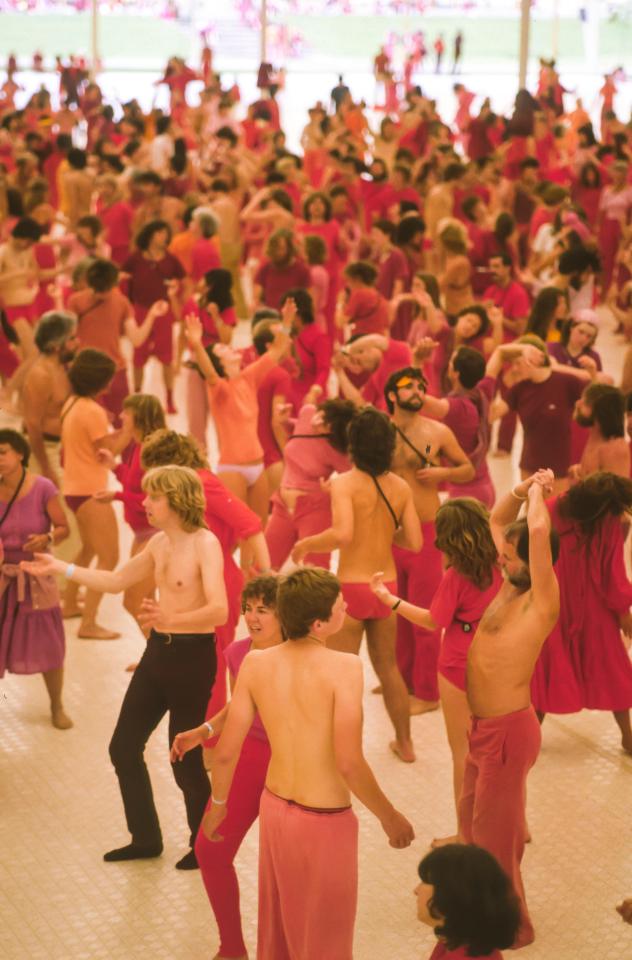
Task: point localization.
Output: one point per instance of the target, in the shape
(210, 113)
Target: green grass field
(142, 41)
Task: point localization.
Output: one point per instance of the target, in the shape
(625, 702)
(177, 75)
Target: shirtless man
(309, 699)
(602, 408)
(372, 510)
(45, 388)
(19, 280)
(177, 669)
(505, 734)
(421, 446)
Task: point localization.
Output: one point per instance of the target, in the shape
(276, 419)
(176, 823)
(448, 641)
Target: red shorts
(362, 604)
(26, 312)
(159, 343)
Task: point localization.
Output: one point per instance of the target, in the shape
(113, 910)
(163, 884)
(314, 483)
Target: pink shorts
(26, 312)
(362, 604)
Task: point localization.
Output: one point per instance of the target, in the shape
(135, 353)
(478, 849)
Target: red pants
(418, 576)
(216, 859)
(308, 882)
(312, 515)
(493, 801)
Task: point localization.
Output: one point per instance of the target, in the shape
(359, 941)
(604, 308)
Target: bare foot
(377, 689)
(404, 751)
(130, 667)
(60, 719)
(92, 631)
(417, 706)
(444, 841)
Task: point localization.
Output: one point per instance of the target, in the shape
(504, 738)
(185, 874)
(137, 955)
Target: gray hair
(53, 329)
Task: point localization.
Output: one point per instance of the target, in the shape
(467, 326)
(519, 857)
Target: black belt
(168, 638)
(51, 438)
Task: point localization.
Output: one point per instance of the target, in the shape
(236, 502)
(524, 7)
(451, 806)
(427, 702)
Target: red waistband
(301, 806)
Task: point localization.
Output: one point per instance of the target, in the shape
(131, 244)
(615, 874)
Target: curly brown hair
(164, 447)
(464, 536)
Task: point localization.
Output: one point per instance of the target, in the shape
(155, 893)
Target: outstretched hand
(185, 741)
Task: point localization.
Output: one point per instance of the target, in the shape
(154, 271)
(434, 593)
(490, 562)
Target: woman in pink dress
(584, 664)
(31, 519)
(470, 582)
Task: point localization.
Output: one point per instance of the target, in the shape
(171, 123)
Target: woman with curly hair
(467, 899)
(470, 582)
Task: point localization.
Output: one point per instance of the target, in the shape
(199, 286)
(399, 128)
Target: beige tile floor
(60, 810)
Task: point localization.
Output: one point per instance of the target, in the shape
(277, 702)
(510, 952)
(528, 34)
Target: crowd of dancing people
(351, 331)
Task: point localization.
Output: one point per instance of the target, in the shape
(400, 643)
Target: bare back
(373, 524)
(294, 689)
(45, 389)
(503, 653)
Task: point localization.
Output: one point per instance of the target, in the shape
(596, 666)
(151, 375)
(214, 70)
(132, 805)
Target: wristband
(220, 803)
(514, 494)
(209, 727)
(68, 572)
(396, 604)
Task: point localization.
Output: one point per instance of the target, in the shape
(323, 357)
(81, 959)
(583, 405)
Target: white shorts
(249, 471)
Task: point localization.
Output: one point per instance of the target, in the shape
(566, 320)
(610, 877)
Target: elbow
(469, 473)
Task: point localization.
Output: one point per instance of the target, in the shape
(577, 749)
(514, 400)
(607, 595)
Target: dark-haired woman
(467, 899)
(470, 583)
(31, 519)
(372, 509)
(584, 664)
(233, 401)
(155, 274)
(215, 308)
(311, 345)
(84, 432)
(301, 507)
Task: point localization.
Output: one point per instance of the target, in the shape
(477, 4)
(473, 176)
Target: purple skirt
(31, 641)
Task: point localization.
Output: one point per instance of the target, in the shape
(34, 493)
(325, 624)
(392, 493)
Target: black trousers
(177, 677)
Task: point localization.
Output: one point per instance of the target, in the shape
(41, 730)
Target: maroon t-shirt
(392, 268)
(276, 383)
(148, 277)
(546, 411)
(276, 281)
(396, 356)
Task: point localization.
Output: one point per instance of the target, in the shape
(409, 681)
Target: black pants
(175, 677)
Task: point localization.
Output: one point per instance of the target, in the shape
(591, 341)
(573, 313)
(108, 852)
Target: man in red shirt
(282, 271)
(508, 295)
(392, 275)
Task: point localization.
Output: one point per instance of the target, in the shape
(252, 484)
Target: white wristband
(209, 727)
(68, 572)
(220, 803)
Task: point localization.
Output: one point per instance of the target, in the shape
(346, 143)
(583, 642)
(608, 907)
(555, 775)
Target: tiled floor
(60, 810)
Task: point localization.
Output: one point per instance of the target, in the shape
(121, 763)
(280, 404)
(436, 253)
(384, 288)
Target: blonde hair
(184, 492)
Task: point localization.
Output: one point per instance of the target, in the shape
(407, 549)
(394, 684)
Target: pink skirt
(31, 641)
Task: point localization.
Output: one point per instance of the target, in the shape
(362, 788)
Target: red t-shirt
(441, 952)
(367, 311)
(276, 281)
(396, 356)
(456, 602)
(117, 223)
(392, 268)
(513, 299)
(276, 383)
(546, 411)
(204, 257)
(101, 320)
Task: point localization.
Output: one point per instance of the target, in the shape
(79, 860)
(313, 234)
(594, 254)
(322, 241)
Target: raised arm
(350, 760)
(544, 586)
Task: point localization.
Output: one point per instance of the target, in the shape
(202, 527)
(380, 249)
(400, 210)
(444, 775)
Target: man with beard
(45, 388)
(508, 295)
(422, 444)
(505, 733)
(602, 408)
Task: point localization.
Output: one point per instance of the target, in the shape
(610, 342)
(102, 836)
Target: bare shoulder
(204, 539)
(398, 484)
(347, 665)
(157, 543)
